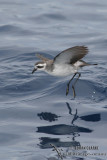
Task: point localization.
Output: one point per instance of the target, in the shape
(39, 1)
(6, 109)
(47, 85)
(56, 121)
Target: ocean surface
(37, 120)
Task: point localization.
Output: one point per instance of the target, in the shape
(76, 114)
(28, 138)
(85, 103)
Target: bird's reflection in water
(60, 130)
(75, 117)
(47, 116)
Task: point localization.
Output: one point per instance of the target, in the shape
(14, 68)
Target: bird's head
(40, 66)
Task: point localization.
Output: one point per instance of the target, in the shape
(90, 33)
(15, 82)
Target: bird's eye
(40, 66)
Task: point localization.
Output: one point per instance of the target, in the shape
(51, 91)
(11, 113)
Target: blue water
(34, 110)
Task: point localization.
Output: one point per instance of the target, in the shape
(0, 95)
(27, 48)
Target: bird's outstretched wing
(42, 57)
(71, 55)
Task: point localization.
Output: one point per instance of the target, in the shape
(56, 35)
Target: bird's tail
(83, 63)
(94, 64)
(88, 64)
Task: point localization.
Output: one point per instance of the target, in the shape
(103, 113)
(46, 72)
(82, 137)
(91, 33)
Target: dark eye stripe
(40, 66)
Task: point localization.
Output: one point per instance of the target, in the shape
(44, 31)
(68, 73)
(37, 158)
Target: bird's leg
(67, 89)
(79, 74)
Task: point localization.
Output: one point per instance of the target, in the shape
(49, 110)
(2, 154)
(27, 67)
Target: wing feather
(71, 55)
(42, 57)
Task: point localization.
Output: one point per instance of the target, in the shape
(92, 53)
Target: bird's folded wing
(71, 55)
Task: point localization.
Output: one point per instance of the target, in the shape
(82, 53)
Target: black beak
(34, 70)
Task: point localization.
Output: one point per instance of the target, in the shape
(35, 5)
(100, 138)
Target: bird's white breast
(63, 70)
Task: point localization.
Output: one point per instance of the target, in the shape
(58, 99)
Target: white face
(40, 66)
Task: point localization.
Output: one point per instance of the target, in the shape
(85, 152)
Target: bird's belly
(63, 70)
